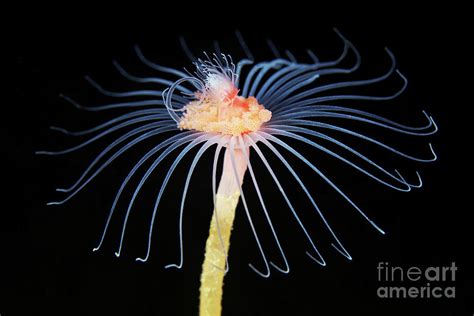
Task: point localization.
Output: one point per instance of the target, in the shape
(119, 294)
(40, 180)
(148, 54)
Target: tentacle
(99, 88)
(217, 47)
(77, 187)
(335, 111)
(321, 260)
(186, 49)
(240, 65)
(201, 151)
(273, 48)
(269, 83)
(295, 85)
(313, 56)
(280, 88)
(111, 106)
(306, 67)
(160, 114)
(262, 203)
(291, 57)
(262, 68)
(339, 85)
(325, 137)
(201, 138)
(157, 67)
(254, 137)
(168, 95)
(416, 186)
(317, 100)
(244, 46)
(323, 176)
(150, 129)
(301, 76)
(175, 143)
(283, 130)
(104, 133)
(297, 69)
(244, 202)
(130, 77)
(293, 123)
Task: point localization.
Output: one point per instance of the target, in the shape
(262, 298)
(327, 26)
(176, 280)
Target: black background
(48, 266)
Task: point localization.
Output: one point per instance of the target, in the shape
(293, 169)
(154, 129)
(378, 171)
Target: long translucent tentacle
(243, 146)
(249, 217)
(130, 77)
(284, 132)
(272, 85)
(293, 124)
(175, 143)
(111, 106)
(338, 85)
(340, 112)
(201, 138)
(200, 152)
(254, 137)
(273, 48)
(244, 46)
(323, 176)
(312, 101)
(158, 113)
(169, 93)
(302, 76)
(321, 260)
(261, 68)
(140, 93)
(157, 67)
(186, 49)
(151, 130)
(102, 134)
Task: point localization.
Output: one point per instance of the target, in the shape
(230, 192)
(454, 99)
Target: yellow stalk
(213, 268)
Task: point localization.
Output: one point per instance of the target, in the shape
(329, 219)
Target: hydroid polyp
(237, 109)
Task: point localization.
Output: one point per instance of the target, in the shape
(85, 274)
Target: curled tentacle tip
(388, 50)
(284, 271)
(263, 275)
(434, 123)
(420, 181)
(409, 186)
(95, 249)
(117, 254)
(342, 252)
(52, 203)
(141, 259)
(321, 262)
(435, 157)
(173, 266)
